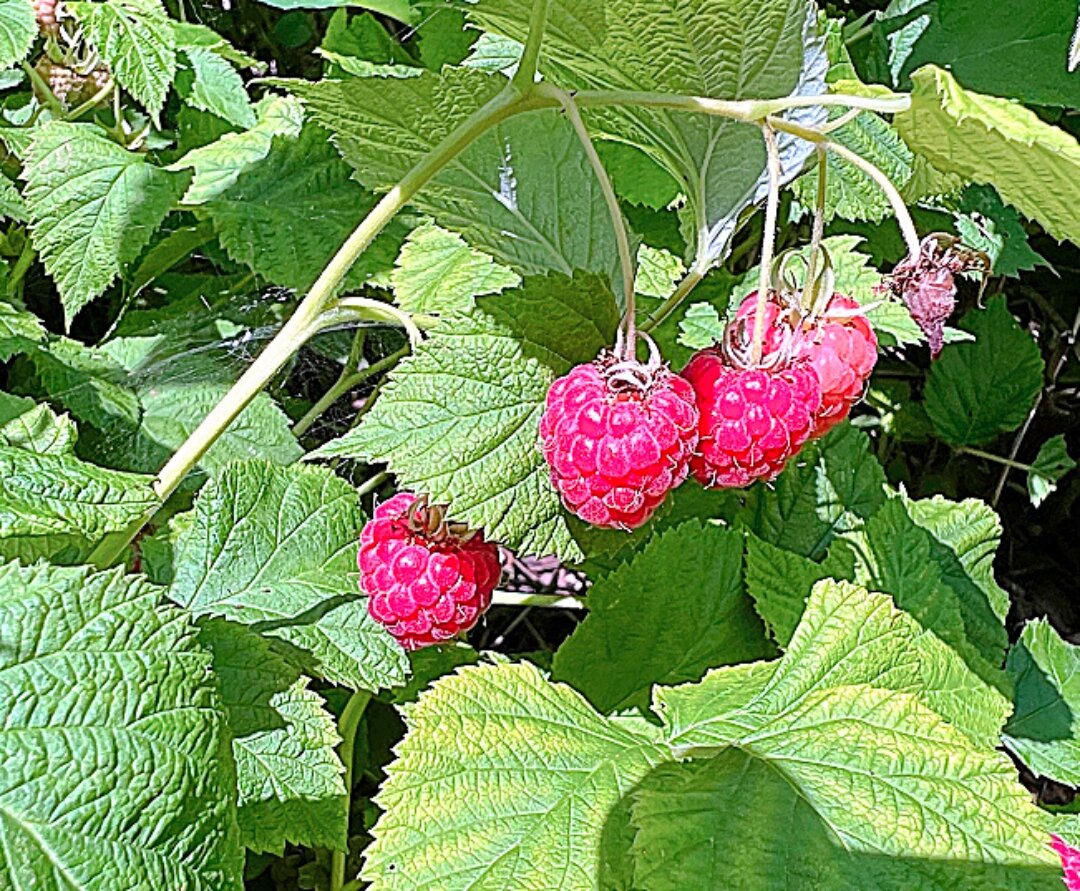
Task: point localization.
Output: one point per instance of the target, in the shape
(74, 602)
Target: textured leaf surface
(460, 418)
(711, 48)
(1049, 466)
(1034, 165)
(217, 165)
(114, 768)
(499, 193)
(286, 216)
(438, 272)
(19, 331)
(58, 507)
(503, 780)
(677, 609)
(1044, 730)
(275, 548)
(288, 775)
(833, 486)
(136, 41)
(985, 223)
(839, 720)
(218, 88)
(39, 430)
(93, 207)
(17, 31)
(976, 390)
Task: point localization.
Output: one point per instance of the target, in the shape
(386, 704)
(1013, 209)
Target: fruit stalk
(768, 241)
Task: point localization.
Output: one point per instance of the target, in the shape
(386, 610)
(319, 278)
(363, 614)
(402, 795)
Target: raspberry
(840, 345)
(754, 416)
(1070, 861)
(426, 579)
(62, 81)
(618, 436)
(45, 11)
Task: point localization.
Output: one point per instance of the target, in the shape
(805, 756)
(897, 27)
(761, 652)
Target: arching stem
(817, 234)
(618, 224)
(768, 240)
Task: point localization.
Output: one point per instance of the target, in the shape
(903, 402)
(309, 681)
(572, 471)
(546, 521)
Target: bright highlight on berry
(618, 435)
(427, 579)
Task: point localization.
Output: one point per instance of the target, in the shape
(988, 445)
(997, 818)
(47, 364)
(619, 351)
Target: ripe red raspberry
(840, 345)
(618, 436)
(1070, 861)
(754, 416)
(426, 579)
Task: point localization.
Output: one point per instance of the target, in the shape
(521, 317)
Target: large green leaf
(59, 507)
(17, 31)
(833, 487)
(460, 418)
(1034, 165)
(136, 41)
(515, 796)
(217, 165)
(677, 609)
(39, 430)
(114, 761)
(977, 390)
(93, 207)
(500, 192)
(218, 88)
(287, 215)
(1044, 730)
(690, 47)
(288, 776)
(275, 548)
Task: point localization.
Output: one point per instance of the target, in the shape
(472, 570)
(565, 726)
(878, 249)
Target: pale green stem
(817, 234)
(347, 728)
(768, 240)
(1007, 462)
(47, 94)
(618, 224)
(349, 379)
(370, 485)
(92, 102)
(689, 282)
(525, 76)
(552, 601)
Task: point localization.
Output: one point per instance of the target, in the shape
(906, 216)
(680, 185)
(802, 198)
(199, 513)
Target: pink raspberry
(840, 346)
(45, 12)
(618, 436)
(426, 579)
(1070, 862)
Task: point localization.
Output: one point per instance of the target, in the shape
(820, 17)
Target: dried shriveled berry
(426, 579)
(618, 436)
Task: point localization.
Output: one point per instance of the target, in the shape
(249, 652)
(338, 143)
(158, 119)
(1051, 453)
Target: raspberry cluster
(68, 85)
(618, 436)
(427, 579)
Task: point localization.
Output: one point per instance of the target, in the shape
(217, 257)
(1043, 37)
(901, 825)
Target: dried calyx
(622, 370)
(927, 285)
(429, 521)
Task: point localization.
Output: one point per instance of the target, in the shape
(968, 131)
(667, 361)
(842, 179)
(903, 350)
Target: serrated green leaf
(12, 206)
(494, 53)
(986, 224)
(13, 406)
(275, 548)
(114, 766)
(499, 192)
(39, 430)
(1044, 730)
(977, 390)
(658, 272)
(1049, 466)
(543, 766)
(637, 178)
(302, 196)
(136, 40)
(192, 35)
(701, 326)
(93, 207)
(850, 193)
(677, 609)
(779, 582)
(1033, 165)
(19, 331)
(833, 486)
(18, 28)
(218, 88)
(217, 165)
(58, 507)
(710, 48)
(289, 778)
(438, 272)
(459, 419)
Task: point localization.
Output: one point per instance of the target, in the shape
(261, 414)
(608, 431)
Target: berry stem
(768, 241)
(380, 311)
(618, 224)
(817, 234)
(348, 724)
(689, 282)
(92, 102)
(43, 88)
(553, 601)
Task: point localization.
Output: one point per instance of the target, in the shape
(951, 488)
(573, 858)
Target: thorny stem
(768, 241)
(618, 224)
(347, 727)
